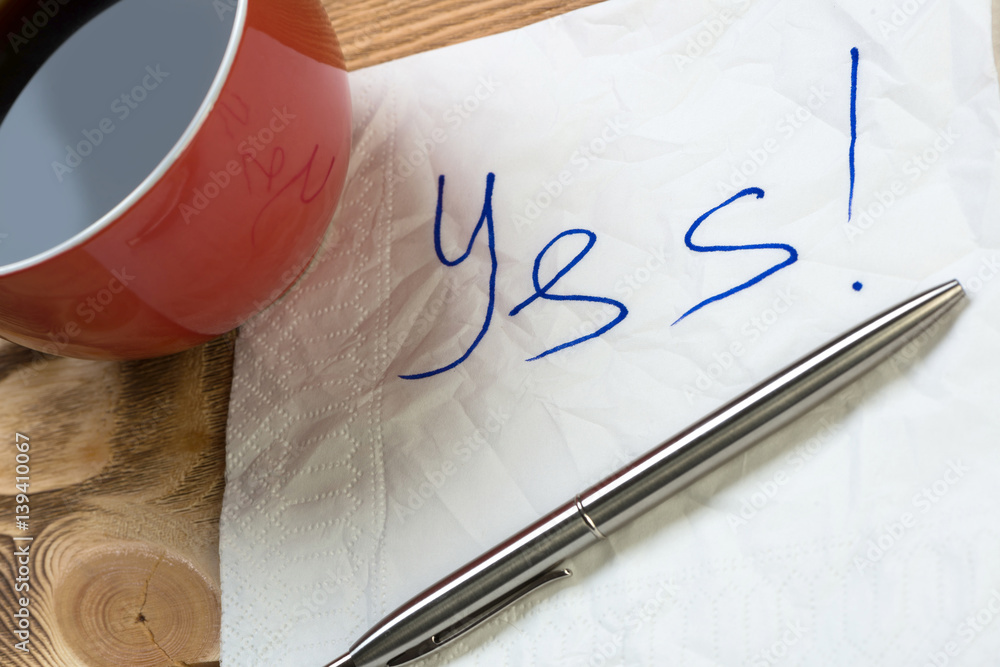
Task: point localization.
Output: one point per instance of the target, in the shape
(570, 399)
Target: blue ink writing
(543, 292)
(487, 218)
(793, 255)
(854, 125)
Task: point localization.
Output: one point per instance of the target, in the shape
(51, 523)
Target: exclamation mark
(854, 139)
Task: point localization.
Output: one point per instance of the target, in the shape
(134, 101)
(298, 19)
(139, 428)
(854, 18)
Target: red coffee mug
(162, 251)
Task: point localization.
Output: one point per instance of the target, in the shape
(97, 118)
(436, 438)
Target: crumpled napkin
(559, 246)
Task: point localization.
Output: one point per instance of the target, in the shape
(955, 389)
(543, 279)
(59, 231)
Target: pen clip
(451, 633)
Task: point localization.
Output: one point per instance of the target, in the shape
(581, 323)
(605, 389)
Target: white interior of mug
(105, 116)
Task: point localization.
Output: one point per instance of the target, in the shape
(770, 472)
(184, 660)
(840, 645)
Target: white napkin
(866, 533)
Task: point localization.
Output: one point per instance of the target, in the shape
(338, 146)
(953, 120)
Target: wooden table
(128, 459)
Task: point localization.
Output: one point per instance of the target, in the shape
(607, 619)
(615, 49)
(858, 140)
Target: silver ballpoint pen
(530, 559)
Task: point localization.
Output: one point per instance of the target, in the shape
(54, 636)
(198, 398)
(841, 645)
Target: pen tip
(343, 661)
(952, 291)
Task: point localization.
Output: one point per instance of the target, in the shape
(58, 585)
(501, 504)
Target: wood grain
(126, 481)
(381, 30)
(127, 459)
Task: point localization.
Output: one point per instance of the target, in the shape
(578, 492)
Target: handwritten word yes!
(544, 292)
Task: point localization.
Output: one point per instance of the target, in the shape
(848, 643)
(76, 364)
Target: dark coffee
(93, 118)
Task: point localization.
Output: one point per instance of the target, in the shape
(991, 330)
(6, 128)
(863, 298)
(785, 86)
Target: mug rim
(164, 165)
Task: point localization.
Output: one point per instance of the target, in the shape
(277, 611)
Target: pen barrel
(402, 636)
(760, 411)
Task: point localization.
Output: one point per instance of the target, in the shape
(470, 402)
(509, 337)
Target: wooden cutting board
(127, 460)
